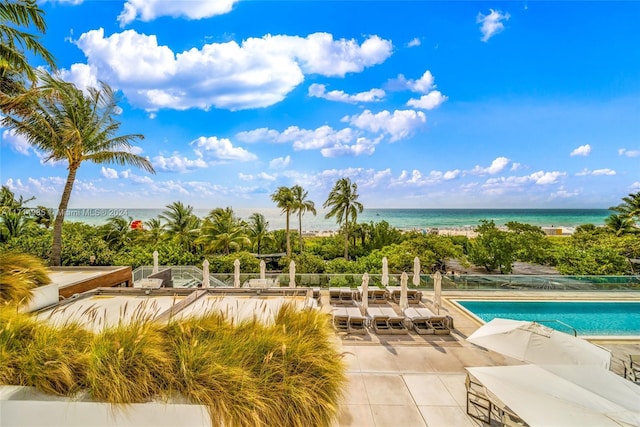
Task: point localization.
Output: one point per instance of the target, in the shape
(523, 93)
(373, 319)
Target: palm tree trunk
(300, 228)
(288, 239)
(56, 247)
(346, 241)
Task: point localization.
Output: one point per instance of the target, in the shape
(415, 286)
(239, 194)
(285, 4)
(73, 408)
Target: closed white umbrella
(292, 274)
(404, 301)
(155, 262)
(236, 273)
(416, 271)
(385, 272)
(535, 343)
(205, 274)
(437, 291)
(263, 270)
(365, 290)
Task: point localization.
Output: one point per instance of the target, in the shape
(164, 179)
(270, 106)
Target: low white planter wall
(43, 296)
(23, 406)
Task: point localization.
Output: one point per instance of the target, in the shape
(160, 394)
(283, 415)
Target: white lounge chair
(426, 322)
(414, 296)
(349, 319)
(342, 295)
(384, 320)
(375, 294)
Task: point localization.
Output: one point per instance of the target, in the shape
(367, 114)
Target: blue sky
(422, 104)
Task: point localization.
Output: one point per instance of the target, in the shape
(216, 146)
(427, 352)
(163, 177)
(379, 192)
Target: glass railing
(190, 276)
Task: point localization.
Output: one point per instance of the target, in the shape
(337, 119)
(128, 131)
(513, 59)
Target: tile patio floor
(413, 381)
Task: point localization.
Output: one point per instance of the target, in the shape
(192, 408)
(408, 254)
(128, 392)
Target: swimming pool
(596, 318)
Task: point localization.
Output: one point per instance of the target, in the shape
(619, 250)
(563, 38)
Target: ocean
(405, 219)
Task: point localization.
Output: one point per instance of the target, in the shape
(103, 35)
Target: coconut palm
(19, 274)
(630, 206)
(223, 231)
(181, 224)
(116, 232)
(285, 201)
(300, 206)
(258, 228)
(70, 126)
(153, 232)
(15, 18)
(620, 224)
(343, 201)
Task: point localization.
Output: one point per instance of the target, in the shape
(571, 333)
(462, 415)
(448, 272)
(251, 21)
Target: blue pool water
(587, 317)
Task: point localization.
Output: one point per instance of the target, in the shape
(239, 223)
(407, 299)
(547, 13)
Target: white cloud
(256, 73)
(605, 171)
(81, 75)
(261, 176)
(635, 185)
(109, 173)
(319, 91)
(361, 146)
(449, 175)
(497, 166)
(148, 10)
(545, 178)
(127, 174)
(423, 85)
(398, 125)
(220, 149)
(596, 172)
(17, 142)
(492, 23)
(583, 150)
(259, 135)
(414, 42)
(629, 153)
(280, 162)
(428, 102)
(177, 163)
(515, 166)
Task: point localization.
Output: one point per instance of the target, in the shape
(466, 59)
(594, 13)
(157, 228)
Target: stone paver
(414, 380)
(446, 416)
(428, 389)
(395, 416)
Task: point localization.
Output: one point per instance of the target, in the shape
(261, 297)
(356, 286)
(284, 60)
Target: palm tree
(301, 205)
(620, 224)
(17, 17)
(117, 232)
(630, 206)
(284, 199)
(223, 231)
(154, 231)
(69, 126)
(181, 224)
(343, 201)
(258, 228)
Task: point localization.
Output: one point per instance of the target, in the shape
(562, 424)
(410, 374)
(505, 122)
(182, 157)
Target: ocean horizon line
(401, 218)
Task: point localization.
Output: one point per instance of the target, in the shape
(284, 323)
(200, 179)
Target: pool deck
(419, 380)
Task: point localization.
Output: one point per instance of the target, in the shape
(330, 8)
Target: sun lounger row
(375, 295)
(384, 320)
(425, 322)
(414, 296)
(349, 319)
